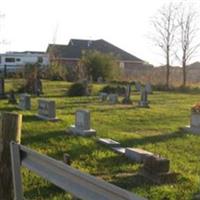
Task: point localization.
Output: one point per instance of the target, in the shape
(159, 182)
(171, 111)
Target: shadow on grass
(44, 192)
(31, 118)
(9, 109)
(42, 138)
(128, 182)
(153, 139)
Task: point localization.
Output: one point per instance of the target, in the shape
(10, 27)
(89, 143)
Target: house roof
(76, 47)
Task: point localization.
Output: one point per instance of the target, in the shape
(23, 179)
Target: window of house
(9, 60)
(18, 59)
(40, 59)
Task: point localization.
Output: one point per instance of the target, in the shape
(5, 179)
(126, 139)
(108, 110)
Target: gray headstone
(148, 88)
(144, 99)
(82, 124)
(138, 87)
(113, 98)
(82, 119)
(25, 102)
(47, 109)
(103, 96)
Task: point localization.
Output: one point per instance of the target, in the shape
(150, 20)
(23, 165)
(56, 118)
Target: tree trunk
(184, 73)
(10, 130)
(167, 70)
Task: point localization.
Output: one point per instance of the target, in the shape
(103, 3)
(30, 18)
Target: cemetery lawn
(156, 129)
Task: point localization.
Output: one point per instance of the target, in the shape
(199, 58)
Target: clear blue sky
(33, 24)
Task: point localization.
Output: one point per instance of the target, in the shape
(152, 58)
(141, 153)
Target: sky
(33, 24)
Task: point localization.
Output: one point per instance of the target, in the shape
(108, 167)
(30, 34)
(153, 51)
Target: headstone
(37, 86)
(144, 99)
(24, 102)
(82, 124)
(137, 155)
(148, 88)
(11, 97)
(103, 96)
(47, 110)
(127, 99)
(109, 142)
(113, 98)
(2, 88)
(138, 86)
(100, 79)
(194, 126)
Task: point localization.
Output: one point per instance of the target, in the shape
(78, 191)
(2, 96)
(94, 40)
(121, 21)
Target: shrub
(79, 89)
(114, 89)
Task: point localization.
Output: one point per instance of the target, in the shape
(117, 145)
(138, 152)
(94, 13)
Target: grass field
(156, 129)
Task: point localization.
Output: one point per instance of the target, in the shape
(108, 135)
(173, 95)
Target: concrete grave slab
(109, 142)
(119, 150)
(137, 155)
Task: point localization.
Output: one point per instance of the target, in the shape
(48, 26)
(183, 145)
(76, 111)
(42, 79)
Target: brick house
(70, 55)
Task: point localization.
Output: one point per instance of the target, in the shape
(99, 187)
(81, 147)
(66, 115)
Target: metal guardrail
(71, 180)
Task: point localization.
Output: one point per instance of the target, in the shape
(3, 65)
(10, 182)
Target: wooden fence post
(10, 130)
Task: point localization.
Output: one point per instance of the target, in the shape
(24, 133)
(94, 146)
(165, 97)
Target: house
(15, 61)
(70, 54)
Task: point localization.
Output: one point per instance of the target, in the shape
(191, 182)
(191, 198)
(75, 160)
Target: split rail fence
(71, 180)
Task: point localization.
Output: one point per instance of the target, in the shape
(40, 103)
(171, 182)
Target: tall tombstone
(113, 98)
(144, 99)
(138, 87)
(37, 86)
(82, 124)
(2, 88)
(127, 99)
(47, 110)
(148, 88)
(24, 102)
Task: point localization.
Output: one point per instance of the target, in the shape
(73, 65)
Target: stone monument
(144, 99)
(24, 102)
(47, 110)
(82, 124)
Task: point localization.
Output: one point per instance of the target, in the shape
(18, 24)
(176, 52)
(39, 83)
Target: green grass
(156, 129)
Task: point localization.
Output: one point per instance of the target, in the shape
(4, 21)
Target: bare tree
(187, 38)
(164, 25)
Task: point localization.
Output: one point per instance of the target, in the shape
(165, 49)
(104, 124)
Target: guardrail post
(10, 130)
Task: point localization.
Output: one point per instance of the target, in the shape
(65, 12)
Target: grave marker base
(143, 104)
(160, 178)
(74, 130)
(47, 118)
(195, 130)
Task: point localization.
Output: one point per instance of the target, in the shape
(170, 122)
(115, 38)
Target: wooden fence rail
(71, 180)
